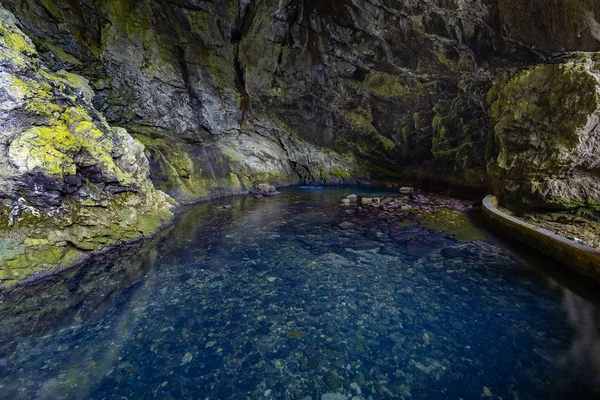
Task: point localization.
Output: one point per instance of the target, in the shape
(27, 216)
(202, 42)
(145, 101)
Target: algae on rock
(71, 184)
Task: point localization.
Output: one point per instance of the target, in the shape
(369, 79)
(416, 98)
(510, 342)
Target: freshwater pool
(277, 298)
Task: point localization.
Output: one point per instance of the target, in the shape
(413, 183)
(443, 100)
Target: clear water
(270, 299)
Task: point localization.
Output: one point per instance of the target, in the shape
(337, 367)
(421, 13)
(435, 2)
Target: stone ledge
(581, 258)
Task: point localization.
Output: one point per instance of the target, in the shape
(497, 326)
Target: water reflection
(584, 353)
(298, 296)
(67, 305)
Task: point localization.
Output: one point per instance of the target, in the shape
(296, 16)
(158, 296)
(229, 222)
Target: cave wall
(398, 84)
(398, 87)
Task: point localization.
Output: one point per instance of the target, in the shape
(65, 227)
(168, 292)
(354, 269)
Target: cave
(299, 199)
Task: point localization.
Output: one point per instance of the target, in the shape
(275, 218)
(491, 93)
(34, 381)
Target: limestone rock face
(545, 144)
(69, 182)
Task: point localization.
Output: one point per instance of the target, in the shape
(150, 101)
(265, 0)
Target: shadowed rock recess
(114, 112)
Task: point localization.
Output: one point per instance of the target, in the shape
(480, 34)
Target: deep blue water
(271, 299)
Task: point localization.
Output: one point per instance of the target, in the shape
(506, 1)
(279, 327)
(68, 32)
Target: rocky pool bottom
(301, 297)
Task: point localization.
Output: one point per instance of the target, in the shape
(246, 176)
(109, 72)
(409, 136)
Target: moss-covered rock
(545, 143)
(71, 184)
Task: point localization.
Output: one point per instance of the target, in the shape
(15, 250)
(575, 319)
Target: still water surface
(271, 299)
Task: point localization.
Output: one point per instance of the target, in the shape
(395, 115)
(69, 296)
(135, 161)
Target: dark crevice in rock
(195, 101)
(243, 23)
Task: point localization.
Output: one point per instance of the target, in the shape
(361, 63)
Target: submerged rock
(452, 253)
(348, 225)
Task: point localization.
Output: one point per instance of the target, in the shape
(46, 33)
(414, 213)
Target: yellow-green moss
(362, 125)
(359, 123)
(46, 149)
(78, 82)
(387, 143)
(436, 122)
(17, 87)
(17, 42)
(72, 115)
(335, 175)
(177, 157)
(60, 54)
(52, 8)
(381, 84)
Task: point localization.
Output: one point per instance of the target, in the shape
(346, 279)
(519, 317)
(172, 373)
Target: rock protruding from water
(264, 190)
(350, 199)
(434, 212)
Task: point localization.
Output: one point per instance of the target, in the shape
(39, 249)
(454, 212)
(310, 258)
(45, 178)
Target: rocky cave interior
(116, 114)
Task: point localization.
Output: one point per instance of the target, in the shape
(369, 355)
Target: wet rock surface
(273, 299)
(545, 142)
(264, 190)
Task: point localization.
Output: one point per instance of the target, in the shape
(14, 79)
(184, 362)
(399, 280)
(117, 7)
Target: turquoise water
(272, 299)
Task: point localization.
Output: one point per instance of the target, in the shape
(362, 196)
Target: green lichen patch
(360, 124)
(383, 85)
(59, 53)
(48, 149)
(78, 82)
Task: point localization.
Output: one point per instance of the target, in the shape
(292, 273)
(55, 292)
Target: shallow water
(271, 299)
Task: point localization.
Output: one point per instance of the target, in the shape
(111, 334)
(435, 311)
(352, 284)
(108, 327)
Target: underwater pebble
(187, 358)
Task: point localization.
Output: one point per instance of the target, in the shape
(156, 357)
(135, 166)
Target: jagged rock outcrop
(545, 144)
(69, 182)
(225, 94)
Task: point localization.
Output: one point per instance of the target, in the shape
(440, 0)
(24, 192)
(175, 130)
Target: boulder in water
(264, 190)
